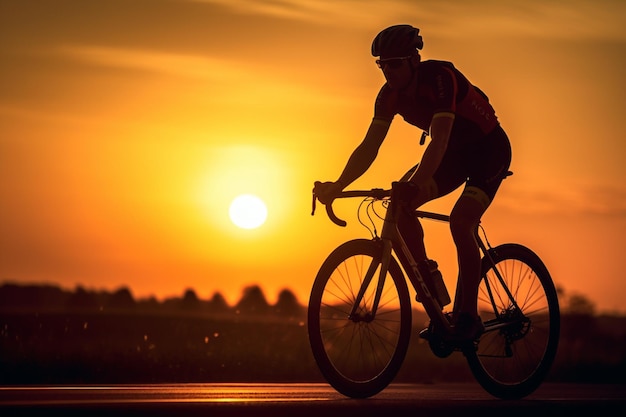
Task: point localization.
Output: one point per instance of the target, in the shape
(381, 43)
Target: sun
(248, 211)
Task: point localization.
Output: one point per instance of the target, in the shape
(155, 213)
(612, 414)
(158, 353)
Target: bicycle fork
(382, 260)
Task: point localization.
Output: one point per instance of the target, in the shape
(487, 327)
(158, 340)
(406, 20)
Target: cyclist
(468, 146)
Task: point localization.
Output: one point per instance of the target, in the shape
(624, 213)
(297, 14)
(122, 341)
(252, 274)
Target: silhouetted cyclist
(468, 146)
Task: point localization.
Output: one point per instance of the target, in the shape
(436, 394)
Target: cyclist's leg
(405, 201)
(449, 176)
(464, 219)
(408, 225)
(487, 168)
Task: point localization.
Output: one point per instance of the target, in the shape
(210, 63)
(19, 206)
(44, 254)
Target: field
(139, 348)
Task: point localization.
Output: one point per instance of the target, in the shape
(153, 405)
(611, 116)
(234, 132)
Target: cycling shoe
(467, 328)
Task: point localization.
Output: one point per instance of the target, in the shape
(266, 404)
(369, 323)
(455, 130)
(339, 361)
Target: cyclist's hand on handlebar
(326, 192)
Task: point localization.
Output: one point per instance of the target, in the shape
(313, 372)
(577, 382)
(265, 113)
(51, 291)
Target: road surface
(302, 400)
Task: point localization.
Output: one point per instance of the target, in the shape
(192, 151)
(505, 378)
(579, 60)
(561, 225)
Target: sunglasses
(391, 62)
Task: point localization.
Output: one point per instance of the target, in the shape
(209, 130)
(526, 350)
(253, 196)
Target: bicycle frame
(392, 242)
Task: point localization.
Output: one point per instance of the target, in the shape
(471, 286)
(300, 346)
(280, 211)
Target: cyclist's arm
(440, 129)
(364, 154)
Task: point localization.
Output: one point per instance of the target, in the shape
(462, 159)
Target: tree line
(50, 298)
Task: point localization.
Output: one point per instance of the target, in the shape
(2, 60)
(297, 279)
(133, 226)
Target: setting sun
(248, 211)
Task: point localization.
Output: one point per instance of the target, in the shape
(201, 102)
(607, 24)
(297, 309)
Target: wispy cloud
(182, 65)
(597, 199)
(243, 81)
(575, 19)
(352, 13)
(572, 19)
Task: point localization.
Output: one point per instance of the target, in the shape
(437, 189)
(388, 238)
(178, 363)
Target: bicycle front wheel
(359, 353)
(519, 306)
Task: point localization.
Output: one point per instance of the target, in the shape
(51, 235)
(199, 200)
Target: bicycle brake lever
(314, 197)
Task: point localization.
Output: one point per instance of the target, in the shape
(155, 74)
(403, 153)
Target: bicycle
(359, 312)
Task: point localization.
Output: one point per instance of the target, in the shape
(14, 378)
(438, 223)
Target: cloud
(351, 13)
(276, 8)
(593, 199)
(183, 65)
(571, 19)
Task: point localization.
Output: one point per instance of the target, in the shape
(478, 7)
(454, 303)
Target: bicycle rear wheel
(522, 321)
(359, 355)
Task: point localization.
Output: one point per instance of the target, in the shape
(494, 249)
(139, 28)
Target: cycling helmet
(397, 41)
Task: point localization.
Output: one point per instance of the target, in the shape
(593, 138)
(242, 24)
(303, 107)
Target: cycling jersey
(440, 88)
(478, 152)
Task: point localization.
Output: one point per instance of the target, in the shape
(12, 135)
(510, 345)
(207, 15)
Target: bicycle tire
(358, 358)
(510, 363)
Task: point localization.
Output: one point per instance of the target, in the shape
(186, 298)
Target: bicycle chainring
(437, 344)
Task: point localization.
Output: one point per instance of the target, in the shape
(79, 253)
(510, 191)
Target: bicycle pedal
(425, 334)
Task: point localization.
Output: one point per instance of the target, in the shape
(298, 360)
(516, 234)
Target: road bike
(359, 312)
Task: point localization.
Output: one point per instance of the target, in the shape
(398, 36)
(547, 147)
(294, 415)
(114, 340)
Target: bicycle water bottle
(438, 287)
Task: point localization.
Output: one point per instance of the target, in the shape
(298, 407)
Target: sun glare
(248, 211)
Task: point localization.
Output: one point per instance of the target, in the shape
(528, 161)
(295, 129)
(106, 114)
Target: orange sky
(126, 128)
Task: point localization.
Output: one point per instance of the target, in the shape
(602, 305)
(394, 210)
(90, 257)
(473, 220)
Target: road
(302, 400)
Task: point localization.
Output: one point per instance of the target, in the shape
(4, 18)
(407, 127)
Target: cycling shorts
(482, 165)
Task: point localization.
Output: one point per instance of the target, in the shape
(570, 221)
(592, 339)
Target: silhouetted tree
(190, 301)
(579, 304)
(35, 298)
(122, 299)
(82, 300)
(579, 313)
(287, 304)
(218, 304)
(253, 301)
(150, 304)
